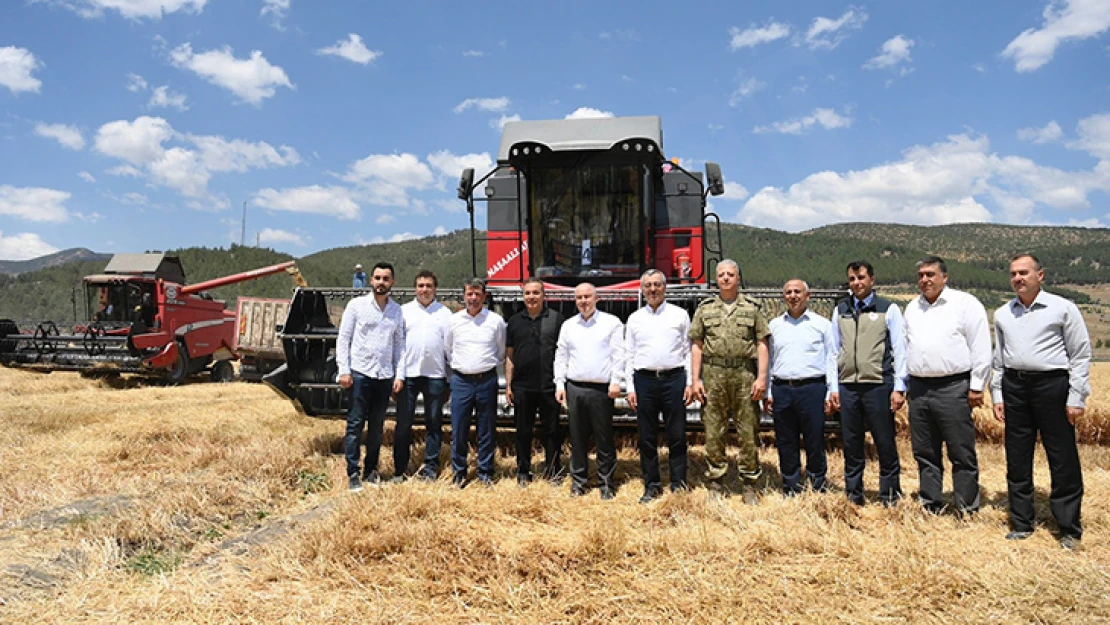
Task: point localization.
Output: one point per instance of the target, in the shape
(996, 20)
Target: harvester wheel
(8, 328)
(180, 370)
(222, 371)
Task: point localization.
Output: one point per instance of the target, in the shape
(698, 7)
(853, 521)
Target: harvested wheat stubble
(204, 465)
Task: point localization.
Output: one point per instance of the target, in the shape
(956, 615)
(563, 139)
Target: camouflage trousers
(729, 393)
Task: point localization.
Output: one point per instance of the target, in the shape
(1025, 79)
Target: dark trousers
(940, 415)
(369, 400)
(473, 396)
(590, 411)
(655, 395)
(433, 390)
(1038, 404)
(867, 407)
(526, 404)
(800, 411)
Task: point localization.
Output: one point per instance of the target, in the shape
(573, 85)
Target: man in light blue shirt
(803, 376)
(358, 280)
(368, 353)
(869, 335)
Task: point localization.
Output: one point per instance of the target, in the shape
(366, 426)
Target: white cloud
(1094, 137)
(133, 9)
(275, 9)
(386, 179)
(33, 203)
(947, 182)
(397, 238)
(134, 199)
(825, 118)
(272, 235)
(493, 105)
(829, 33)
(86, 176)
(579, 86)
(1048, 134)
(187, 170)
(16, 68)
(500, 122)
(68, 136)
(317, 200)
(895, 51)
(450, 166)
(734, 191)
(138, 142)
(163, 97)
(351, 49)
(384, 218)
(586, 112)
(744, 90)
(219, 154)
(24, 246)
(473, 53)
(757, 35)
(1064, 20)
(135, 83)
(439, 231)
(253, 79)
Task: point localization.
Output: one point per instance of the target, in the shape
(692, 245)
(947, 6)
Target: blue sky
(128, 125)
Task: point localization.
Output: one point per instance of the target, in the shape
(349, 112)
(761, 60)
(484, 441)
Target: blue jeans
(800, 410)
(369, 400)
(473, 396)
(433, 390)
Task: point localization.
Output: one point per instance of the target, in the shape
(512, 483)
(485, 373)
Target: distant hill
(72, 255)
(977, 254)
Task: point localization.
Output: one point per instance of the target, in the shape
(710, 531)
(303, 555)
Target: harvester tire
(180, 370)
(222, 371)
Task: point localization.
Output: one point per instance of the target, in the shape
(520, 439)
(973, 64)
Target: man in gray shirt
(1042, 360)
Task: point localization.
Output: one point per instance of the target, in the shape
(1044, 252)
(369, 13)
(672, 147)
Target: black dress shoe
(650, 494)
(679, 486)
(459, 481)
(522, 480)
(1070, 543)
(486, 481)
(577, 491)
(607, 493)
(1018, 535)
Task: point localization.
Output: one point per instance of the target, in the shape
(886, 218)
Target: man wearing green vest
(869, 333)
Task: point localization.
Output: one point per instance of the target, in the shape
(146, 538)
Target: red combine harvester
(569, 201)
(143, 319)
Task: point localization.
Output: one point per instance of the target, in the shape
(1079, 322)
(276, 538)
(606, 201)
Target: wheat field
(217, 503)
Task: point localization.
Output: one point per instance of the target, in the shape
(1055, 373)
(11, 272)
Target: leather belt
(474, 377)
(719, 361)
(799, 382)
(944, 379)
(1036, 375)
(661, 373)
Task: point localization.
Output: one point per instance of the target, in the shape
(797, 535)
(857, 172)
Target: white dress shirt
(371, 340)
(657, 340)
(947, 337)
(425, 339)
(475, 344)
(1049, 335)
(803, 348)
(590, 350)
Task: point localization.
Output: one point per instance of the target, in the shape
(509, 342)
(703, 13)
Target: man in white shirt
(803, 378)
(589, 365)
(657, 347)
(425, 365)
(1041, 381)
(368, 351)
(475, 346)
(948, 355)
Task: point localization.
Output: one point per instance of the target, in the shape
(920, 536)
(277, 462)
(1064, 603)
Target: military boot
(751, 497)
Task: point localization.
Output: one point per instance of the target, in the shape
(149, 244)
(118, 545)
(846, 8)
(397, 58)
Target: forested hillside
(977, 255)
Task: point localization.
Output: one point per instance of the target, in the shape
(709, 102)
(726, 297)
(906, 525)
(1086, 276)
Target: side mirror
(466, 183)
(714, 178)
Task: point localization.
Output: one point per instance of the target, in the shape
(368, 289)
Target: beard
(381, 290)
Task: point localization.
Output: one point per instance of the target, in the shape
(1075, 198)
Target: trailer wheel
(180, 370)
(222, 371)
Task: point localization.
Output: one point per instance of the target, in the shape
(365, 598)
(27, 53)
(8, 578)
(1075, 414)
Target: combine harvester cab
(142, 318)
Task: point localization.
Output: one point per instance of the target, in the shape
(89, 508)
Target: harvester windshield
(589, 218)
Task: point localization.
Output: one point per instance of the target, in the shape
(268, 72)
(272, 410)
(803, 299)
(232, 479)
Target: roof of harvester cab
(601, 133)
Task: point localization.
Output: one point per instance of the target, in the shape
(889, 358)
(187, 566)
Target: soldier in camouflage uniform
(729, 365)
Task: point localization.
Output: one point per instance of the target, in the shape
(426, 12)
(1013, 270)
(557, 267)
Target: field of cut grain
(216, 503)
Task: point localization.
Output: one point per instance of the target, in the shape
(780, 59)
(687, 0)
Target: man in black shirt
(529, 379)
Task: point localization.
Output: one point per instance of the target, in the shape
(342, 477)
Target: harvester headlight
(624, 147)
(639, 147)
